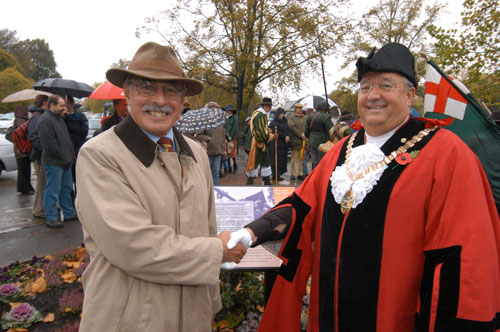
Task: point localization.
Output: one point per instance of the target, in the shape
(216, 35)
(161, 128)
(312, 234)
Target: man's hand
(272, 137)
(231, 255)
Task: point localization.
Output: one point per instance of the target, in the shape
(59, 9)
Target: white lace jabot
(361, 158)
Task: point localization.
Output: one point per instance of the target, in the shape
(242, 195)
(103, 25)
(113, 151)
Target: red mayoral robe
(419, 253)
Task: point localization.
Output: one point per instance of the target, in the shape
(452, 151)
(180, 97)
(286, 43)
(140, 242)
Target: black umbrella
(63, 87)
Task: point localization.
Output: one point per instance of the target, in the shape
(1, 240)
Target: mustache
(155, 108)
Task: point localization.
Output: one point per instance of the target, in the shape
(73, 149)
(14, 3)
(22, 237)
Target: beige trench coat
(150, 233)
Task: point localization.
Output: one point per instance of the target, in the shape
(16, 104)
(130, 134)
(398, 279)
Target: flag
(445, 97)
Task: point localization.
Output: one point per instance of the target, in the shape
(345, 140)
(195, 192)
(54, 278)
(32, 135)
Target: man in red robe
(397, 225)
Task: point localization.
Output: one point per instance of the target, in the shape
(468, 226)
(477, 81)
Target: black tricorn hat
(229, 107)
(391, 57)
(267, 101)
(322, 105)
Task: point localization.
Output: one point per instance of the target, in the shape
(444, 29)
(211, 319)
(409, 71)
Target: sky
(88, 36)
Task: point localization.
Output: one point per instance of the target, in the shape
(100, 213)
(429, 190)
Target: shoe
(293, 178)
(250, 181)
(235, 167)
(29, 192)
(54, 223)
(301, 177)
(75, 217)
(267, 181)
(280, 178)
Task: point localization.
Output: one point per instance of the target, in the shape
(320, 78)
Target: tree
(476, 45)
(236, 45)
(394, 21)
(8, 39)
(122, 63)
(8, 60)
(37, 58)
(472, 52)
(12, 81)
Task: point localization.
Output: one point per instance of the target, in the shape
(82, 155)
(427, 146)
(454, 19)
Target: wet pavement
(23, 236)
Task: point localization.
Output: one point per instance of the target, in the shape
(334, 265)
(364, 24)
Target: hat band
(156, 64)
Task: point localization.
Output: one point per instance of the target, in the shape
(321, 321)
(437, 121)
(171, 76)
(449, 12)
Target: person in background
(318, 125)
(383, 225)
(22, 159)
(58, 155)
(246, 136)
(258, 157)
(297, 125)
(307, 150)
(216, 145)
(148, 219)
(121, 111)
(232, 131)
(39, 107)
(78, 128)
(77, 123)
(279, 157)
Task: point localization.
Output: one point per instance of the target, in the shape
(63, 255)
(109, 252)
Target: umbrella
(63, 87)
(201, 119)
(26, 94)
(107, 91)
(313, 101)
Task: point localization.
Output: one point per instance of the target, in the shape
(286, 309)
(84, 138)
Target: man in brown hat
(259, 158)
(397, 224)
(297, 124)
(146, 204)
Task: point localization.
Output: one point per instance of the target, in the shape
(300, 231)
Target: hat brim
(118, 75)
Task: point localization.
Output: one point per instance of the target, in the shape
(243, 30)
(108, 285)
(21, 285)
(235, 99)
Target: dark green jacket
(232, 126)
(317, 133)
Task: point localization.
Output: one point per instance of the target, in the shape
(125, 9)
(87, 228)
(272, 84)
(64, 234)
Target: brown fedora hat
(155, 62)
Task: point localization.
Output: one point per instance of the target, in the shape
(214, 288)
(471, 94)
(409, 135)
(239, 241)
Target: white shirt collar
(380, 140)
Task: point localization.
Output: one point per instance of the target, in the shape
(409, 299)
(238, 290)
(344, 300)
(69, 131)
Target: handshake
(235, 246)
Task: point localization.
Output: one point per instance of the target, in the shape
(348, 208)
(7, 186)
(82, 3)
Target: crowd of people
(56, 131)
(395, 223)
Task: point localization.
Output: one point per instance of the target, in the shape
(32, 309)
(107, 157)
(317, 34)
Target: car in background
(94, 124)
(6, 120)
(7, 157)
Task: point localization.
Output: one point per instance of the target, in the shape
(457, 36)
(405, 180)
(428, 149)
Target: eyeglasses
(147, 89)
(384, 86)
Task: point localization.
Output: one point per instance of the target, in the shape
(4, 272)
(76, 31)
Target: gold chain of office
(348, 199)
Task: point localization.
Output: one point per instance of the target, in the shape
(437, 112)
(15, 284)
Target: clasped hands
(235, 246)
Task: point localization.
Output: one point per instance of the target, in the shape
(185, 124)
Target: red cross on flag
(441, 97)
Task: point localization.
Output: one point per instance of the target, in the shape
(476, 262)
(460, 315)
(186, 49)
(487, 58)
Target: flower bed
(43, 294)
(46, 295)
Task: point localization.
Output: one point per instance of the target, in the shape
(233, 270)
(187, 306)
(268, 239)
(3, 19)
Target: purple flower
(8, 290)
(22, 312)
(34, 260)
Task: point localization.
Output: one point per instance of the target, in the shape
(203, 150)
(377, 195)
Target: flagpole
(320, 51)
